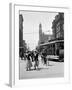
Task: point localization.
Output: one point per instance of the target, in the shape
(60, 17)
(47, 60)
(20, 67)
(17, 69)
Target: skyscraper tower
(40, 33)
(42, 36)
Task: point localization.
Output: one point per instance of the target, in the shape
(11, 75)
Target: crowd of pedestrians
(32, 59)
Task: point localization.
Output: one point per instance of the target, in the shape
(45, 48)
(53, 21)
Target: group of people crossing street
(32, 57)
(32, 60)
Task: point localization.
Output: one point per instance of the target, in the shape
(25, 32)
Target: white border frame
(14, 46)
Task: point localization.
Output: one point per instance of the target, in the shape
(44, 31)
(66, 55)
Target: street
(54, 69)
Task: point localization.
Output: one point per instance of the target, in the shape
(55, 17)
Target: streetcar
(54, 49)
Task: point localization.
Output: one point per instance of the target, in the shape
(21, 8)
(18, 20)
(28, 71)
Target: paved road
(55, 69)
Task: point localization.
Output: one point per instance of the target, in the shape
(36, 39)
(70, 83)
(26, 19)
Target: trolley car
(54, 48)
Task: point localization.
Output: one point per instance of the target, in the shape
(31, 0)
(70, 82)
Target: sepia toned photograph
(41, 44)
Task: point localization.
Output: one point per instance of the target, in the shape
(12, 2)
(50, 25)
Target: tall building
(20, 35)
(20, 30)
(43, 37)
(58, 32)
(58, 26)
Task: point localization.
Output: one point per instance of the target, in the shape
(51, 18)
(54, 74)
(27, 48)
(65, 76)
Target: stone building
(20, 30)
(20, 35)
(58, 26)
(43, 38)
(58, 32)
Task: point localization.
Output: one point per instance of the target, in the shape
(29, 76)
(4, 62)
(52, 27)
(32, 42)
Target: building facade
(20, 30)
(43, 38)
(58, 32)
(20, 35)
(58, 26)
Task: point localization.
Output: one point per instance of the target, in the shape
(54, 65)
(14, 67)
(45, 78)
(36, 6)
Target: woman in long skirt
(28, 63)
(36, 61)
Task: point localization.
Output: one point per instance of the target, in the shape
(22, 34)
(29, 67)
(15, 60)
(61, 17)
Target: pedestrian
(36, 60)
(47, 58)
(29, 63)
(44, 58)
(32, 56)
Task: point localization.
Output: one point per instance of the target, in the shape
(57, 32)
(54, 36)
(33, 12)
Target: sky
(31, 23)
